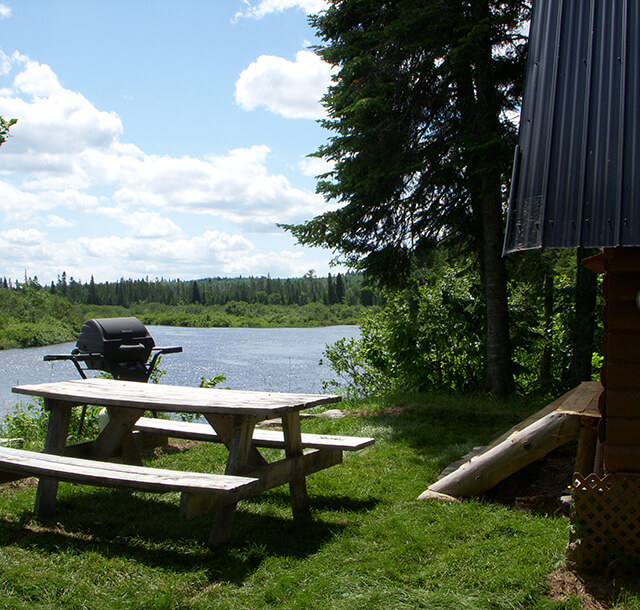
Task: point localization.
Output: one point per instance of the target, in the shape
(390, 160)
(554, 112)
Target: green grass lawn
(370, 544)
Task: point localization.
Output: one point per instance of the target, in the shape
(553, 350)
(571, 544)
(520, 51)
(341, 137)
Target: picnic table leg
(239, 462)
(117, 436)
(59, 417)
(293, 448)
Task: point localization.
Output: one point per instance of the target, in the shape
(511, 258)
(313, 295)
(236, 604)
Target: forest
(33, 315)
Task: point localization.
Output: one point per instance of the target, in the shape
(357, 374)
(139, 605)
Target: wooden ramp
(556, 424)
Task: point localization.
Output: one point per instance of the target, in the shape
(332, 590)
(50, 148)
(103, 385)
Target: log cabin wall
(620, 374)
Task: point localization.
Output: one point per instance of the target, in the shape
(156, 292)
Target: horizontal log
(269, 476)
(622, 403)
(622, 316)
(622, 458)
(622, 287)
(622, 260)
(622, 430)
(620, 376)
(621, 345)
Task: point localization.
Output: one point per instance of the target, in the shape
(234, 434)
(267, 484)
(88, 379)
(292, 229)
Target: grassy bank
(371, 544)
(33, 318)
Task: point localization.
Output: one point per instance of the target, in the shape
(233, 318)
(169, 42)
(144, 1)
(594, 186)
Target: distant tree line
(331, 290)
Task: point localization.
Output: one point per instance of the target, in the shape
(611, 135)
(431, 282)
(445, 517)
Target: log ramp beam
(573, 415)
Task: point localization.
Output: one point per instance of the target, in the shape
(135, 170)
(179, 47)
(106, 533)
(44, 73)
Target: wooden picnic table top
(160, 397)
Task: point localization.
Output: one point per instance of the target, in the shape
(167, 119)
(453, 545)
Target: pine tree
(421, 146)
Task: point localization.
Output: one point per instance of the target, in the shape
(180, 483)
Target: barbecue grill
(119, 346)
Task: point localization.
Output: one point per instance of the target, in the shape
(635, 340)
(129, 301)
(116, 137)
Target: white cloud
(315, 166)
(54, 221)
(65, 150)
(66, 166)
(21, 237)
(150, 225)
(292, 89)
(266, 7)
(5, 11)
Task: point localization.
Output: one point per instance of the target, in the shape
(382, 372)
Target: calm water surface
(268, 359)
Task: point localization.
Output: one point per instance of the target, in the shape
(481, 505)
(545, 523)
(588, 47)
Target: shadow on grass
(432, 424)
(150, 530)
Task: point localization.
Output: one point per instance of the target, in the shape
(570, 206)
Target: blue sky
(159, 138)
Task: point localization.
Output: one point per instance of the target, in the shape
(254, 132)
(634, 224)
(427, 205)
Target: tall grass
(370, 544)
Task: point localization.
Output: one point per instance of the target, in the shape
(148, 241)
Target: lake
(267, 359)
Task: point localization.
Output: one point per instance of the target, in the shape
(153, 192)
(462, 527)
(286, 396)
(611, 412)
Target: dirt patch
(539, 487)
(595, 592)
(390, 411)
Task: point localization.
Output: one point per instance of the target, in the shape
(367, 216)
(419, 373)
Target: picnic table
(231, 418)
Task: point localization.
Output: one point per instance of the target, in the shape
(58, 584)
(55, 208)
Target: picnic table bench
(231, 419)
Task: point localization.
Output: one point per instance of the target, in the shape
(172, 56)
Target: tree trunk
(545, 360)
(499, 369)
(485, 186)
(585, 315)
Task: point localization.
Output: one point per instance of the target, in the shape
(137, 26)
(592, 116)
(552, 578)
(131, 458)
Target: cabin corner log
(523, 447)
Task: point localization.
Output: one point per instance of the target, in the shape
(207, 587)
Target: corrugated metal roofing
(576, 171)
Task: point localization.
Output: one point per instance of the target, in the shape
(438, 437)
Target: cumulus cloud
(150, 225)
(292, 89)
(314, 166)
(22, 237)
(266, 7)
(54, 221)
(5, 11)
(66, 164)
(65, 148)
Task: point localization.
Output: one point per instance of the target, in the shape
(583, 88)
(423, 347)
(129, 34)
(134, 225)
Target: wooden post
(293, 448)
(240, 450)
(586, 453)
(59, 417)
(116, 436)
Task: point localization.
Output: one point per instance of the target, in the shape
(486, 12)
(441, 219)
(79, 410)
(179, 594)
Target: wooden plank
(240, 452)
(261, 438)
(159, 397)
(109, 474)
(55, 442)
(110, 441)
(583, 400)
(270, 476)
(298, 481)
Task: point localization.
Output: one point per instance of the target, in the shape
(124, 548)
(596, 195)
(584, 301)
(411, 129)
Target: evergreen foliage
(421, 143)
(347, 289)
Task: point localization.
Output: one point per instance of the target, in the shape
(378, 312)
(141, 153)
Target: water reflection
(267, 359)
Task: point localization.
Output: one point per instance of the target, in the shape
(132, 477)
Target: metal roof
(576, 176)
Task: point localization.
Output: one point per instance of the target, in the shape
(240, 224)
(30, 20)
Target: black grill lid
(117, 339)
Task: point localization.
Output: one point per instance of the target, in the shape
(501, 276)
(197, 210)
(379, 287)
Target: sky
(159, 138)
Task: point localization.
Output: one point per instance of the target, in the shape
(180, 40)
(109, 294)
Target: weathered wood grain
(159, 397)
(55, 441)
(261, 438)
(109, 474)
